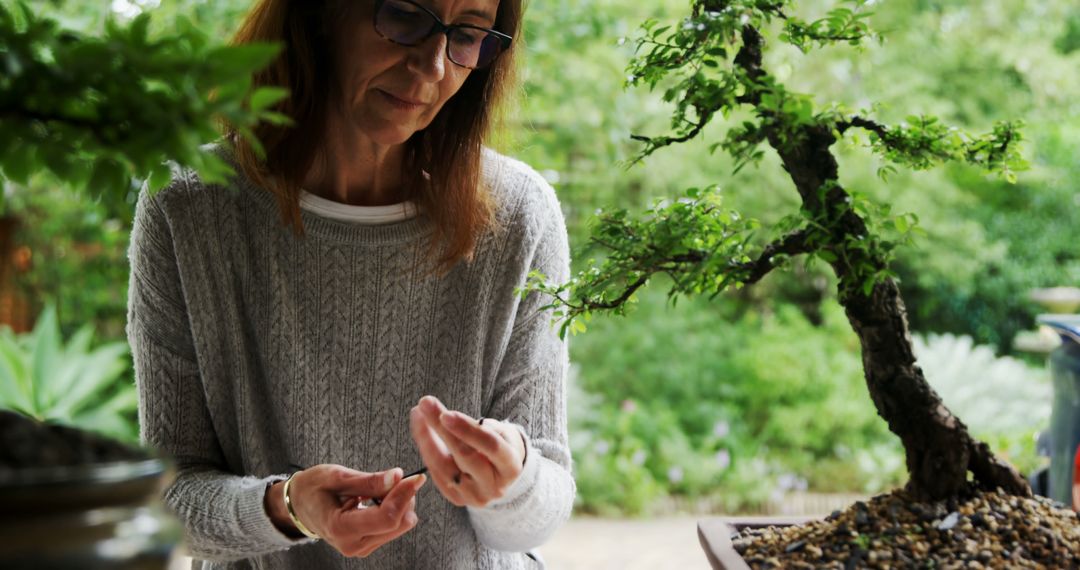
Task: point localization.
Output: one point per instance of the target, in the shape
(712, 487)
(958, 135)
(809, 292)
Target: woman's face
(393, 91)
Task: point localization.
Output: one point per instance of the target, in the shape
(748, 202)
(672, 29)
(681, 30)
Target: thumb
(360, 484)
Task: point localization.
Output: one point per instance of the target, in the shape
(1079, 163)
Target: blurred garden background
(733, 405)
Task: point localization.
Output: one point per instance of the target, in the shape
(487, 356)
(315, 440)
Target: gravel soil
(983, 530)
(28, 443)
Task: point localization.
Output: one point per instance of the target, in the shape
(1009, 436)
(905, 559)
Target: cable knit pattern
(255, 349)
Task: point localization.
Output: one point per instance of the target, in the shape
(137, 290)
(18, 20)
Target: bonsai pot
(86, 515)
(715, 536)
(980, 529)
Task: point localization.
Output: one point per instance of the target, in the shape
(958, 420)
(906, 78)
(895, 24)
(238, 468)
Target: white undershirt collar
(365, 215)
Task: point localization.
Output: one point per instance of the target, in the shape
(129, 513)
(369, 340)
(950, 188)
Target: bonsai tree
(104, 114)
(96, 112)
(711, 65)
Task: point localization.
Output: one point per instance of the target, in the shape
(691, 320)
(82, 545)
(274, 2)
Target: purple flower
(638, 457)
(721, 429)
(791, 482)
(601, 447)
(723, 459)
(628, 405)
(675, 474)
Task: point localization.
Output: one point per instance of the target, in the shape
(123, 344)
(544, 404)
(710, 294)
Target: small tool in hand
(376, 501)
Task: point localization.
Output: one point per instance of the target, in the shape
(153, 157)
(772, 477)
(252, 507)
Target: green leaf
(20, 163)
(901, 223)
(106, 177)
(98, 372)
(46, 352)
(139, 30)
(229, 62)
(265, 97)
(159, 177)
(14, 391)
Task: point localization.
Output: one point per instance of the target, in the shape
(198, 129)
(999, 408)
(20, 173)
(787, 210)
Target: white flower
(723, 459)
(638, 457)
(552, 176)
(132, 8)
(787, 481)
(721, 429)
(675, 474)
(601, 447)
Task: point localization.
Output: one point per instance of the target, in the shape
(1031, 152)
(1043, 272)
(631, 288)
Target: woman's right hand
(325, 497)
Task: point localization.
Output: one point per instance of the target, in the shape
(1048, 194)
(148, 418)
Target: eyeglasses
(409, 24)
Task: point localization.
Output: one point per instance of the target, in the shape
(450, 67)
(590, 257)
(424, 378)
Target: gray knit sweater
(255, 349)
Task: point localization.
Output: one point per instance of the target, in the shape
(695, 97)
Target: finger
(432, 448)
(369, 544)
(488, 441)
(435, 411)
(475, 481)
(492, 444)
(432, 405)
(476, 484)
(402, 498)
(351, 483)
(435, 455)
(383, 518)
(515, 438)
(470, 460)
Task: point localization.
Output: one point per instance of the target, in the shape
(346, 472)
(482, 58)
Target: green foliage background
(762, 390)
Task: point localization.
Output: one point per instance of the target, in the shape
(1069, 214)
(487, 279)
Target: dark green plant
(96, 112)
(77, 251)
(732, 411)
(103, 114)
(711, 65)
(70, 382)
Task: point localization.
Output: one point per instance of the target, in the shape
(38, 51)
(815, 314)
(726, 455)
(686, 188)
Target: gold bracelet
(292, 514)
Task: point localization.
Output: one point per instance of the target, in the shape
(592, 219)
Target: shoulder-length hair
(442, 169)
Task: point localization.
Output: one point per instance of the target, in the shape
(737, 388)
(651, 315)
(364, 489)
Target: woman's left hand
(471, 463)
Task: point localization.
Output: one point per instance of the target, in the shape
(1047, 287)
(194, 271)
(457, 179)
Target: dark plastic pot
(97, 516)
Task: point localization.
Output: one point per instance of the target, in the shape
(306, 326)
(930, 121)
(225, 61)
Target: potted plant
(712, 65)
(102, 114)
(71, 494)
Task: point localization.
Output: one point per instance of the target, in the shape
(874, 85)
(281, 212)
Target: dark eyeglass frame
(441, 27)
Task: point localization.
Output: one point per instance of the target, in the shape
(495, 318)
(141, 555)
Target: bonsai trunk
(938, 447)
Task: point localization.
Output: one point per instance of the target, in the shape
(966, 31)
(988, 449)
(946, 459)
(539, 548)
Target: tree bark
(939, 450)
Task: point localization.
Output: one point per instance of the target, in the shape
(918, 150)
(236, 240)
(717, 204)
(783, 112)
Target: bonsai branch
(656, 143)
(749, 60)
(91, 127)
(794, 243)
(864, 123)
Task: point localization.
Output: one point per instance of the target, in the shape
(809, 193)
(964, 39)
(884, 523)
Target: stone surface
(982, 530)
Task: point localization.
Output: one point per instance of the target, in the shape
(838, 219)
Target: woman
(345, 310)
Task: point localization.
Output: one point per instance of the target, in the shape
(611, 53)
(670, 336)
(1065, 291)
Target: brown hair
(448, 150)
